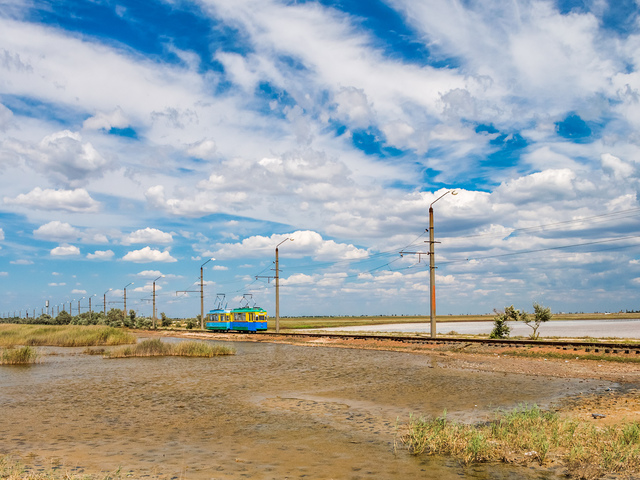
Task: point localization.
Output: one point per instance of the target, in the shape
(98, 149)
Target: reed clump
(157, 348)
(18, 356)
(528, 434)
(63, 335)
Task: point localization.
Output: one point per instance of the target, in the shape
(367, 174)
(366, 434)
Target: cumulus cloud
(4, 274)
(148, 254)
(305, 243)
(1, 234)
(106, 121)
(56, 231)
(147, 235)
(65, 250)
(100, 255)
(205, 150)
(63, 157)
(77, 200)
(77, 291)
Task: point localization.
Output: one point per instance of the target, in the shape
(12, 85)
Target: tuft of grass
(63, 335)
(528, 434)
(18, 356)
(157, 348)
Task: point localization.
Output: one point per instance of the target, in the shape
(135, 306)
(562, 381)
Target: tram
(243, 319)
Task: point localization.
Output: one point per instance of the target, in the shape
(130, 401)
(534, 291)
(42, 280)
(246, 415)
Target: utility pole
(104, 300)
(432, 266)
(124, 312)
(155, 318)
(278, 286)
(202, 293)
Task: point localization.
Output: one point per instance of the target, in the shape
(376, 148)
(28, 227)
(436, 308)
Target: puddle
(271, 411)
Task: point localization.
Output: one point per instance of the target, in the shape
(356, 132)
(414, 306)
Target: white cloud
(21, 262)
(220, 268)
(65, 250)
(149, 274)
(6, 118)
(615, 167)
(147, 254)
(56, 231)
(1, 234)
(77, 291)
(147, 235)
(57, 284)
(106, 121)
(77, 200)
(4, 274)
(205, 150)
(305, 243)
(100, 255)
(62, 157)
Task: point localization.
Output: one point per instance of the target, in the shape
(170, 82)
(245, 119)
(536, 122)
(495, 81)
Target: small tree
(541, 315)
(166, 321)
(500, 327)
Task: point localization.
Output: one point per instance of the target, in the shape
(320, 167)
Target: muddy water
(271, 411)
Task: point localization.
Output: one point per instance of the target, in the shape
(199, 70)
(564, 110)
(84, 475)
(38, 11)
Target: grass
(12, 468)
(528, 434)
(18, 356)
(63, 335)
(157, 348)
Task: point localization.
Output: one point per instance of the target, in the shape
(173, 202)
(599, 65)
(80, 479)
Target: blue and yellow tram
(245, 319)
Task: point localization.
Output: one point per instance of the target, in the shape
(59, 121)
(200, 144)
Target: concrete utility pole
(278, 287)
(124, 312)
(202, 293)
(155, 318)
(104, 300)
(432, 266)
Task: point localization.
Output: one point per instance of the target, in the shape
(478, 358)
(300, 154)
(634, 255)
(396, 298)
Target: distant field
(327, 322)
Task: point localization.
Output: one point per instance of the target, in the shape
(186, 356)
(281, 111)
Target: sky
(138, 140)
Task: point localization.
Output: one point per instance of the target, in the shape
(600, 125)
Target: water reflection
(271, 411)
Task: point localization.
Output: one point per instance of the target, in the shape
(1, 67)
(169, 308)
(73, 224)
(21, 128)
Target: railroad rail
(596, 347)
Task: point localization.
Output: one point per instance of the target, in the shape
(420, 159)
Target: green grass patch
(528, 434)
(63, 335)
(18, 356)
(157, 348)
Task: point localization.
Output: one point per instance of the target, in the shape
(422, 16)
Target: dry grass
(12, 468)
(157, 348)
(18, 356)
(530, 435)
(63, 335)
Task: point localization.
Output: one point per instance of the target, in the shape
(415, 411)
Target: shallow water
(271, 411)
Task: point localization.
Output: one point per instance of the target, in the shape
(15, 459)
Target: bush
(166, 321)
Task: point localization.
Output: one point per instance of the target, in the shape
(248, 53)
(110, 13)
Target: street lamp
(79, 304)
(432, 266)
(124, 312)
(70, 310)
(202, 293)
(154, 300)
(104, 299)
(90, 312)
(278, 287)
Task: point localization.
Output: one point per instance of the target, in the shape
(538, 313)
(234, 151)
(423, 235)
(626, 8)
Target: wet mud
(270, 411)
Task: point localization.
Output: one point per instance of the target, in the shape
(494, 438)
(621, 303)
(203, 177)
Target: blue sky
(140, 139)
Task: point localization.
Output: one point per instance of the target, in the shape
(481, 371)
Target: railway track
(595, 347)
